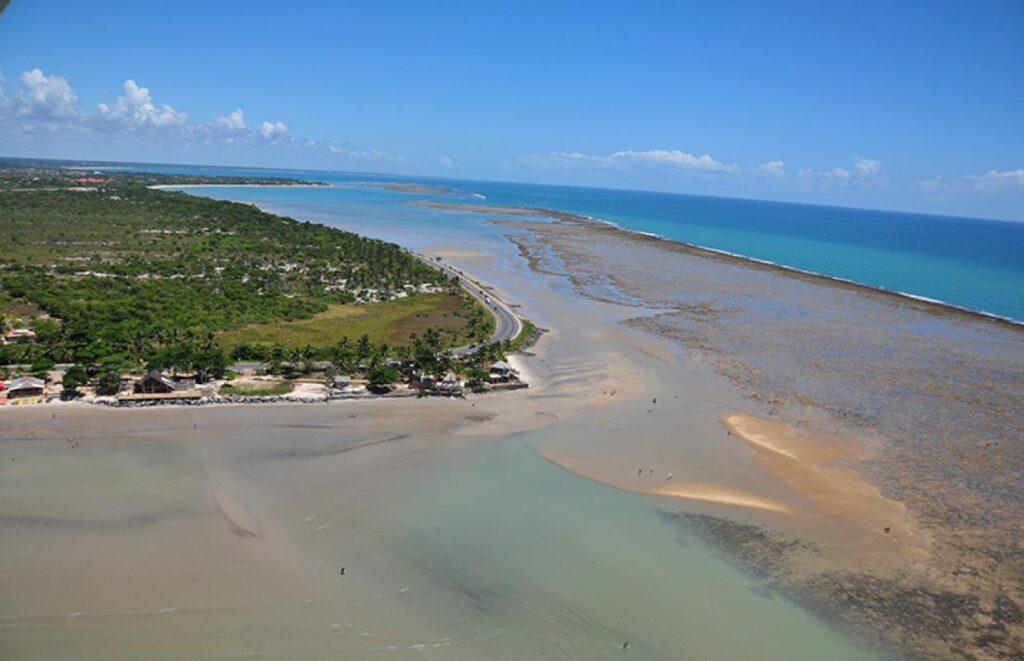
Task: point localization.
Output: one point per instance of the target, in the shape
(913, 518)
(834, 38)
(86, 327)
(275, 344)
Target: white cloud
(46, 96)
(234, 121)
(673, 158)
(865, 173)
(867, 167)
(561, 160)
(446, 161)
(776, 168)
(838, 174)
(374, 155)
(997, 179)
(664, 158)
(41, 118)
(136, 108)
(934, 184)
(273, 129)
(991, 182)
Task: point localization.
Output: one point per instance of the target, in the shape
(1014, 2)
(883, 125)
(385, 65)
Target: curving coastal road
(507, 324)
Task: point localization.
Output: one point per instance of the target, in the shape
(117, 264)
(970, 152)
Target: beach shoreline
(562, 216)
(508, 325)
(783, 338)
(637, 389)
(280, 185)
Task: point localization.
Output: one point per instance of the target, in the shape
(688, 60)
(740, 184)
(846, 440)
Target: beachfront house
(449, 385)
(423, 382)
(26, 386)
(500, 372)
(184, 381)
(19, 335)
(155, 383)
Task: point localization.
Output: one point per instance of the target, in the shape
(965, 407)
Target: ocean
(970, 263)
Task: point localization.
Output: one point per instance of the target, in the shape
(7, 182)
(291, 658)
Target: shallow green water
(512, 557)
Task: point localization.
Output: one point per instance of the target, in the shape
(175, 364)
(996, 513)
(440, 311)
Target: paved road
(506, 323)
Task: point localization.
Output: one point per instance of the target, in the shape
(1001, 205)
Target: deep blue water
(971, 263)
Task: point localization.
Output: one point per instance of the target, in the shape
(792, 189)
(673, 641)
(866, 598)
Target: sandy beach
(794, 447)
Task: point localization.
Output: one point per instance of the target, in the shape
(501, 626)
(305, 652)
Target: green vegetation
(524, 336)
(476, 376)
(459, 318)
(279, 388)
(73, 379)
(116, 277)
(126, 276)
(381, 377)
(20, 174)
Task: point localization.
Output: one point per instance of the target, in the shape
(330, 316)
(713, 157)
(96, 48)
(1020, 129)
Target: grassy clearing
(282, 388)
(390, 321)
(524, 336)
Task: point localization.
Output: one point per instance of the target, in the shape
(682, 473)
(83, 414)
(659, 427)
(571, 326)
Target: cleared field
(391, 322)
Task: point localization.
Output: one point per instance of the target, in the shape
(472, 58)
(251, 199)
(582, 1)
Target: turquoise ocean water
(970, 263)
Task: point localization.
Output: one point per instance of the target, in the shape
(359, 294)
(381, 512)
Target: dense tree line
(16, 173)
(134, 276)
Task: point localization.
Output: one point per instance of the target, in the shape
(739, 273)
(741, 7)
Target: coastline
(907, 385)
(508, 325)
(563, 216)
(622, 384)
(281, 185)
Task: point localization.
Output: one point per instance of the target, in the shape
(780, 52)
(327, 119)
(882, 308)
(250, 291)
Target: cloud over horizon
(137, 126)
(684, 163)
(46, 96)
(672, 158)
(862, 181)
(273, 129)
(136, 108)
(42, 116)
(233, 121)
(688, 164)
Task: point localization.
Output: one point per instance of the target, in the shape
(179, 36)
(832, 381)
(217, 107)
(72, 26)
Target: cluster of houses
(18, 336)
(153, 385)
(499, 373)
(156, 385)
(450, 384)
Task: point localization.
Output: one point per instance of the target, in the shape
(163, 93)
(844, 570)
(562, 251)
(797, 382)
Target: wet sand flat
(222, 531)
(893, 424)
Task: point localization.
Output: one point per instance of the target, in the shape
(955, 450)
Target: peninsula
(113, 290)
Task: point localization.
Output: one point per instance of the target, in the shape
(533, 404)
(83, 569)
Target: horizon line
(522, 182)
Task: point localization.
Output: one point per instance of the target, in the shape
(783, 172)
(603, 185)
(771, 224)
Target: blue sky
(912, 105)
